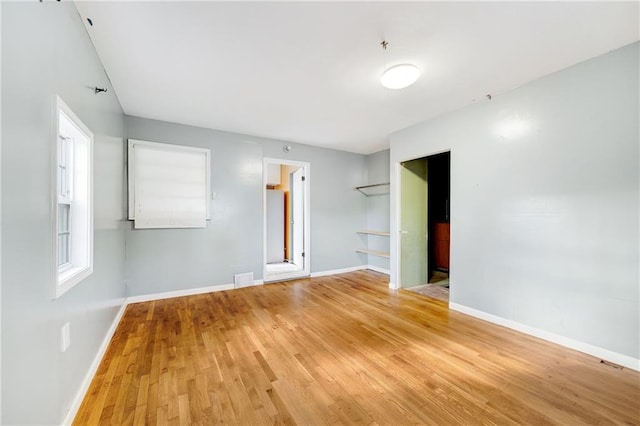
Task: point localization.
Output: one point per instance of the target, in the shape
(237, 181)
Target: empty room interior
(320, 212)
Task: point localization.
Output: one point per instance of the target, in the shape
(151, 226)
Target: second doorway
(286, 192)
(425, 220)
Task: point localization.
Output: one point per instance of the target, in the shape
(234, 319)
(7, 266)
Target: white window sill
(71, 276)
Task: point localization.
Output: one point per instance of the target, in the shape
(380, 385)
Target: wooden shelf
(374, 189)
(380, 233)
(379, 253)
(374, 252)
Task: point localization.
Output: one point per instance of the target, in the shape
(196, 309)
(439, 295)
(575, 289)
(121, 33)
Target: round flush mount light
(400, 76)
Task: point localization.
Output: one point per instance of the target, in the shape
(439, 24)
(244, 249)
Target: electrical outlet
(65, 337)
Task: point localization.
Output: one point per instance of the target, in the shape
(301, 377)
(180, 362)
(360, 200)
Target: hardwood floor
(342, 349)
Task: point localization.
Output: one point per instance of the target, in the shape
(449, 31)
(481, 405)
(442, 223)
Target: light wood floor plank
(342, 350)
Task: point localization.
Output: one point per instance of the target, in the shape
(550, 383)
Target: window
(169, 185)
(65, 156)
(74, 209)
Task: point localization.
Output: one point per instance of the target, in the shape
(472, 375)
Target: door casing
(305, 271)
(396, 199)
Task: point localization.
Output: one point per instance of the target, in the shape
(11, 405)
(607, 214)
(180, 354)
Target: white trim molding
(73, 410)
(378, 269)
(67, 124)
(179, 293)
(596, 351)
(350, 269)
(306, 270)
(93, 368)
(338, 271)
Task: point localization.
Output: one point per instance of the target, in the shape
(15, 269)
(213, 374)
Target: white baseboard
(596, 351)
(350, 269)
(337, 271)
(178, 293)
(93, 368)
(109, 335)
(167, 295)
(378, 269)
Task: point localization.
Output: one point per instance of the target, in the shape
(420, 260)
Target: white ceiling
(309, 72)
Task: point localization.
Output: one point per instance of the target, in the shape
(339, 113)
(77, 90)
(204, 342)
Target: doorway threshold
(282, 267)
(437, 291)
(277, 276)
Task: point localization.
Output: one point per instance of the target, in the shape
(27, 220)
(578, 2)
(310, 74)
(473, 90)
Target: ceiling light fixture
(398, 76)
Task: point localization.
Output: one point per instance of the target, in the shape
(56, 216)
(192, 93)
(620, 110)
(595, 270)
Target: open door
(413, 223)
(286, 228)
(296, 236)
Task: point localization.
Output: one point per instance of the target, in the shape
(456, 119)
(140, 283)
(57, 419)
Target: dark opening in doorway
(439, 210)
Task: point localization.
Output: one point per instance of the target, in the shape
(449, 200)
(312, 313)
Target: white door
(296, 192)
(413, 222)
(275, 226)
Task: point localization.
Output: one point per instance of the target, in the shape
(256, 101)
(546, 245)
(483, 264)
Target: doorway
(425, 221)
(438, 217)
(286, 220)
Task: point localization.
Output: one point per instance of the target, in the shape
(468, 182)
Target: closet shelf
(380, 233)
(373, 252)
(374, 189)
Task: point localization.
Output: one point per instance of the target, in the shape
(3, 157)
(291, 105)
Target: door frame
(396, 253)
(306, 271)
(296, 232)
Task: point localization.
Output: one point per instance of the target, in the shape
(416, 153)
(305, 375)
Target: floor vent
(243, 280)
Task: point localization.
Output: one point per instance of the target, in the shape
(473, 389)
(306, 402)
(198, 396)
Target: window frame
(79, 165)
(68, 264)
(64, 193)
(165, 147)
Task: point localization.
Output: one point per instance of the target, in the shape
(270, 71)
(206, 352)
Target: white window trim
(66, 278)
(132, 143)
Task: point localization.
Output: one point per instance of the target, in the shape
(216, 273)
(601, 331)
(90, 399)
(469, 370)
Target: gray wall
(378, 207)
(46, 51)
(544, 227)
(161, 260)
